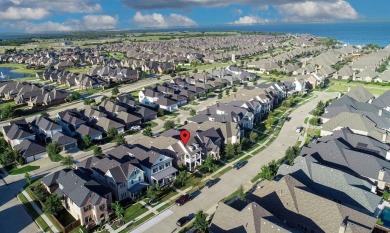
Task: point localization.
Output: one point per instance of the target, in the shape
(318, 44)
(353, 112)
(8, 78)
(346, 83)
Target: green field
(342, 86)
(22, 170)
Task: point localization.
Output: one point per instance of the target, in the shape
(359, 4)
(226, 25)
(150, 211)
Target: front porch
(164, 177)
(192, 161)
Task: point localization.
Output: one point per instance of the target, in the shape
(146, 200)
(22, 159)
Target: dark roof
(29, 148)
(45, 124)
(63, 139)
(17, 130)
(86, 130)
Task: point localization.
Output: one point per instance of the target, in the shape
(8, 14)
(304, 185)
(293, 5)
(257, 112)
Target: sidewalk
(38, 210)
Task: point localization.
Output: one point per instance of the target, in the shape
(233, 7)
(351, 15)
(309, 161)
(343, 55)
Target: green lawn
(193, 180)
(22, 170)
(83, 70)
(56, 158)
(163, 207)
(12, 104)
(223, 171)
(30, 209)
(152, 124)
(134, 211)
(342, 86)
(137, 223)
(167, 193)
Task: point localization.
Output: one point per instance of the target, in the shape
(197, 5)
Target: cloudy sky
(66, 15)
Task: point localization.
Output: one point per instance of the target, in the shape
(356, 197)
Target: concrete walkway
(39, 211)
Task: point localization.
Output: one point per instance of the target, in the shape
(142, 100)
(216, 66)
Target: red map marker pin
(185, 136)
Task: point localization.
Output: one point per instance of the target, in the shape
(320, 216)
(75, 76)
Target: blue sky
(67, 15)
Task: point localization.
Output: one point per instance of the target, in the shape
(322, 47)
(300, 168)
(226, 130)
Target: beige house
(84, 198)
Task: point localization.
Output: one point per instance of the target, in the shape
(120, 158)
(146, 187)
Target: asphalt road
(207, 199)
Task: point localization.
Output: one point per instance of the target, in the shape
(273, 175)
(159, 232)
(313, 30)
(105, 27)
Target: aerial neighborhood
(282, 133)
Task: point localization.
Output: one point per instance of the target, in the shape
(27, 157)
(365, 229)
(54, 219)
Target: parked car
(239, 165)
(209, 183)
(136, 128)
(299, 129)
(183, 199)
(182, 221)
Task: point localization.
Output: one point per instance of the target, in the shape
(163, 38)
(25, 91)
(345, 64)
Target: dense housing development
(284, 133)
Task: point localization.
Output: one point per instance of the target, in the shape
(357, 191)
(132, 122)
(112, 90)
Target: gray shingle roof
(63, 139)
(29, 148)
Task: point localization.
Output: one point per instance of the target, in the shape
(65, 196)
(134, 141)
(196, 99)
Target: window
(139, 178)
(161, 167)
(155, 170)
(167, 164)
(132, 181)
(102, 207)
(87, 207)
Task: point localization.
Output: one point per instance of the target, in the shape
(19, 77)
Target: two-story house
(17, 131)
(70, 120)
(83, 197)
(125, 180)
(45, 128)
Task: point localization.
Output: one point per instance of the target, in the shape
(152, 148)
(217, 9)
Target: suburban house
(230, 132)
(336, 152)
(104, 124)
(292, 202)
(65, 142)
(157, 166)
(360, 94)
(84, 198)
(128, 119)
(146, 114)
(85, 130)
(31, 150)
(125, 180)
(70, 120)
(17, 131)
(45, 128)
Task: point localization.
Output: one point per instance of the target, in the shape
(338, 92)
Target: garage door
(30, 159)
(39, 156)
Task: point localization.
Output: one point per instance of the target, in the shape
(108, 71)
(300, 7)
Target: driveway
(230, 181)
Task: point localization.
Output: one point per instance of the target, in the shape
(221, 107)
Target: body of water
(354, 33)
(7, 72)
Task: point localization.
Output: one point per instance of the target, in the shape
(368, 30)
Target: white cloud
(88, 22)
(250, 19)
(237, 11)
(13, 13)
(317, 10)
(99, 21)
(159, 20)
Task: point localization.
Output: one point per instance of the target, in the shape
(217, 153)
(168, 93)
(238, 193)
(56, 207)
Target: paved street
(230, 181)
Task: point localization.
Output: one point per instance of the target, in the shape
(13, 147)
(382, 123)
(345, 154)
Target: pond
(7, 72)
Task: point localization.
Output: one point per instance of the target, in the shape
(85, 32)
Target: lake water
(7, 72)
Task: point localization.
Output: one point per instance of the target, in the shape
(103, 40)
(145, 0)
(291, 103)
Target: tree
(200, 222)
(286, 104)
(241, 194)
(45, 114)
(385, 195)
(234, 89)
(181, 178)
(160, 112)
(119, 211)
(87, 141)
(97, 151)
(120, 139)
(209, 163)
(74, 96)
(53, 204)
(269, 122)
(40, 192)
(7, 111)
(148, 132)
(245, 143)
(192, 112)
(115, 91)
(220, 95)
(195, 71)
(68, 161)
(229, 150)
(314, 121)
(253, 136)
(169, 124)
(151, 193)
(268, 172)
(112, 133)
(227, 92)
(28, 178)
(53, 149)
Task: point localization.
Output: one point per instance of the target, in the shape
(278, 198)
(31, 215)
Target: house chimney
(373, 188)
(380, 112)
(339, 96)
(234, 95)
(208, 111)
(388, 155)
(384, 137)
(381, 174)
(343, 227)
